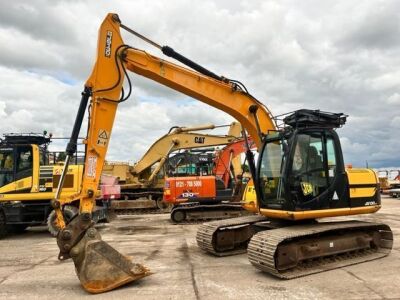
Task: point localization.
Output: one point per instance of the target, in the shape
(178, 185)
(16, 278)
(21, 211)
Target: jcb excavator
(294, 185)
(142, 184)
(214, 196)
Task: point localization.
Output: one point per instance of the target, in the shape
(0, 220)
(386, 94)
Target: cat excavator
(142, 184)
(300, 176)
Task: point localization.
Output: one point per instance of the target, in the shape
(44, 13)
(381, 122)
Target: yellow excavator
(142, 184)
(29, 175)
(300, 176)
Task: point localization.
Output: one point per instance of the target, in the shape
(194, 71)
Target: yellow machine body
(356, 177)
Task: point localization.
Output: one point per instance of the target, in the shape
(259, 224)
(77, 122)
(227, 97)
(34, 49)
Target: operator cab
(301, 165)
(16, 156)
(196, 162)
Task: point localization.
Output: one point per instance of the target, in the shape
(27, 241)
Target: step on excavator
(300, 176)
(142, 184)
(214, 196)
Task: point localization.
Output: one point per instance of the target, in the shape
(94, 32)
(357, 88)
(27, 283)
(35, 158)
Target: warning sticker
(91, 167)
(102, 138)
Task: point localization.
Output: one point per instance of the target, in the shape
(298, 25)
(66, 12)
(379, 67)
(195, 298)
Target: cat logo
(199, 139)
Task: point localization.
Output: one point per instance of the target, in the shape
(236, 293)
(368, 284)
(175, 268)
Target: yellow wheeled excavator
(142, 184)
(300, 176)
(29, 175)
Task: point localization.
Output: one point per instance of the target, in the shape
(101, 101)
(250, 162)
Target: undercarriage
(196, 211)
(289, 250)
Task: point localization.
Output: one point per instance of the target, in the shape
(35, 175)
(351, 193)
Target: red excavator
(214, 196)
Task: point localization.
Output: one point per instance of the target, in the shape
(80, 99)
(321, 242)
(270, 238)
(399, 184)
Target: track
(211, 236)
(196, 212)
(140, 211)
(301, 250)
(138, 207)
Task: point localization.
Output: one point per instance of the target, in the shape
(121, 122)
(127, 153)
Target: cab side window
(24, 159)
(330, 149)
(24, 162)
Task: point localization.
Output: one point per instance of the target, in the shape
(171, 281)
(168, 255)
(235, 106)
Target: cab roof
(24, 139)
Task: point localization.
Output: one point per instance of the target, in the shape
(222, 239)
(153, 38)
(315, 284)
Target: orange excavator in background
(300, 176)
(142, 184)
(210, 196)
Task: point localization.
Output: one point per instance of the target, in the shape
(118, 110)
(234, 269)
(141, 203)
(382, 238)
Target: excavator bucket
(101, 268)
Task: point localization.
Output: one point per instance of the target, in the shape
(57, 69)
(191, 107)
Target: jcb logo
(107, 51)
(199, 139)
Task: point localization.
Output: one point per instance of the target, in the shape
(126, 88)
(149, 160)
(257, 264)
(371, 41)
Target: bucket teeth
(100, 267)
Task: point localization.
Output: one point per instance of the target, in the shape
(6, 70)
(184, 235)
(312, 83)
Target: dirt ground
(29, 267)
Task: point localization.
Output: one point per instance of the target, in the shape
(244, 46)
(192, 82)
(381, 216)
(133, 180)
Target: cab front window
(6, 166)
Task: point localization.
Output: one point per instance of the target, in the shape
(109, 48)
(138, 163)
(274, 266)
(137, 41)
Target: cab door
(316, 176)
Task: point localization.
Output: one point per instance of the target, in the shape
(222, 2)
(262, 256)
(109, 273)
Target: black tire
(178, 216)
(69, 213)
(3, 225)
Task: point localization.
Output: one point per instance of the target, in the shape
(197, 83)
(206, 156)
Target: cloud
(374, 28)
(394, 99)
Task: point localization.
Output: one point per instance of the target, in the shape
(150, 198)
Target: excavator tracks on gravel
(207, 235)
(301, 250)
(194, 213)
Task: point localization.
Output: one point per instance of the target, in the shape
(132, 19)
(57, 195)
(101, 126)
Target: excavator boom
(230, 156)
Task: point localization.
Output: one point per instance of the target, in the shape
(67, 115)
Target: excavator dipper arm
(99, 266)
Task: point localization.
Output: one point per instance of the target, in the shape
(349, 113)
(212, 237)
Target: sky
(339, 56)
